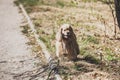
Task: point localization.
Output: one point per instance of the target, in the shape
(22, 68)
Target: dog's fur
(66, 44)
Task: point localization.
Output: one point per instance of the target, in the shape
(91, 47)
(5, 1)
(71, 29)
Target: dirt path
(15, 56)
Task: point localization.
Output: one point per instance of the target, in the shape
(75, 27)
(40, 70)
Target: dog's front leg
(59, 49)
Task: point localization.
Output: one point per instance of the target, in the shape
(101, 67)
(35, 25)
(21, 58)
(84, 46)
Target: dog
(66, 43)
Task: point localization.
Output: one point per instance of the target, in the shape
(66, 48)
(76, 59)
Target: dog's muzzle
(66, 36)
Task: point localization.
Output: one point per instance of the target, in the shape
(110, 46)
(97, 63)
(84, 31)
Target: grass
(50, 15)
(52, 18)
(27, 3)
(60, 3)
(104, 1)
(47, 40)
(89, 0)
(56, 3)
(110, 55)
(90, 39)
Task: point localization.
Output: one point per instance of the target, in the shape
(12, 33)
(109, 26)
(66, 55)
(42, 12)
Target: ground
(93, 24)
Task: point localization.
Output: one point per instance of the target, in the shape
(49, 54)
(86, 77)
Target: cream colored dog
(66, 44)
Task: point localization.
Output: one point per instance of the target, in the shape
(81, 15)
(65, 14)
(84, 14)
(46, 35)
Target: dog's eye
(68, 29)
(65, 30)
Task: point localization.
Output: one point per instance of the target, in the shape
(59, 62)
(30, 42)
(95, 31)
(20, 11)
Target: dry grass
(87, 19)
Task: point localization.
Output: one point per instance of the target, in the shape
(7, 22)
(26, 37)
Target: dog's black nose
(68, 33)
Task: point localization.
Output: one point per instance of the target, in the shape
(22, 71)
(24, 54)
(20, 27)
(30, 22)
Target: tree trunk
(117, 9)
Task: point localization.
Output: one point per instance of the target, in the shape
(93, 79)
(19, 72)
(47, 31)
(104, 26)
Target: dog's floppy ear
(71, 28)
(73, 34)
(59, 35)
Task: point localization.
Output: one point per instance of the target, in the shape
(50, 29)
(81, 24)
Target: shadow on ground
(89, 66)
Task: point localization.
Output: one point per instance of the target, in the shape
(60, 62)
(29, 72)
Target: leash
(53, 67)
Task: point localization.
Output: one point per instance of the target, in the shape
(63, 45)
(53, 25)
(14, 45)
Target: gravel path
(15, 55)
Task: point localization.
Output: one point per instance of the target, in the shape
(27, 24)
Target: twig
(37, 74)
(103, 21)
(29, 73)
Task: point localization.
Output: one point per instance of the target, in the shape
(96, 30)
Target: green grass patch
(28, 2)
(109, 54)
(56, 3)
(90, 39)
(108, 51)
(110, 57)
(89, 0)
(60, 3)
(47, 39)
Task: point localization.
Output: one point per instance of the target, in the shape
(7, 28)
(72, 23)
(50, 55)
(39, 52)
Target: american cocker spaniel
(66, 44)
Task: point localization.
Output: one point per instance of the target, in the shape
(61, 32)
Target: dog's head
(66, 31)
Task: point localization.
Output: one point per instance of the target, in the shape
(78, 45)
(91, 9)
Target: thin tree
(117, 9)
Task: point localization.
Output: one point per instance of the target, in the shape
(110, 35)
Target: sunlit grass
(55, 15)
